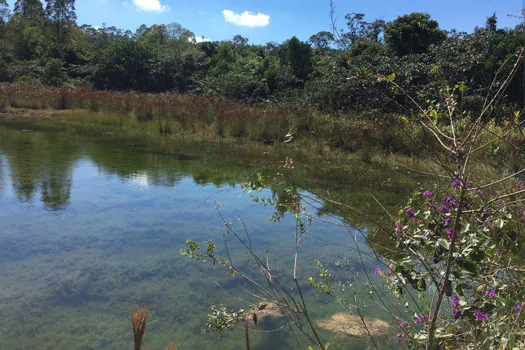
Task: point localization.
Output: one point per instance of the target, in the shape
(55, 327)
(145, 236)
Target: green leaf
(444, 243)
(465, 228)
(468, 267)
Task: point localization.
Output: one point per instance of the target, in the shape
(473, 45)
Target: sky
(263, 21)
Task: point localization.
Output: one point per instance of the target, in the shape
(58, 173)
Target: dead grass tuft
(139, 320)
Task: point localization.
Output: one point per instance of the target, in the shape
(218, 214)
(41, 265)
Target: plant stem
(450, 262)
(246, 335)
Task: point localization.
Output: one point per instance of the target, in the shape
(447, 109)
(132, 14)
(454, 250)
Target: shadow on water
(92, 226)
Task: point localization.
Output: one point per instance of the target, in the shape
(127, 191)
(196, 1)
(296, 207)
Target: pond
(92, 226)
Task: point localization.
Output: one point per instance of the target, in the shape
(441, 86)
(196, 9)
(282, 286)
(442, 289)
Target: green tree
(492, 23)
(322, 41)
(30, 10)
(4, 12)
(124, 65)
(239, 40)
(298, 55)
(62, 14)
(4, 15)
(361, 30)
(413, 34)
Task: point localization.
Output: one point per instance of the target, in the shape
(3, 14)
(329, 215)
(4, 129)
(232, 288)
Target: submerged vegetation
(95, 224)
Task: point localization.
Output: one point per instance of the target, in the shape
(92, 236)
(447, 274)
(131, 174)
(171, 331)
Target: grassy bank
(198, 117)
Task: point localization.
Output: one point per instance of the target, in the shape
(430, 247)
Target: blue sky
(278, 20)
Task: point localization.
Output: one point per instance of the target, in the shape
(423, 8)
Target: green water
(91, 226)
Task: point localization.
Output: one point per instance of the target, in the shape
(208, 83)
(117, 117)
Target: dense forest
(332, 71)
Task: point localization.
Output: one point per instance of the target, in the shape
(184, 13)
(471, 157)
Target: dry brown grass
(139, 320)
(204, 117)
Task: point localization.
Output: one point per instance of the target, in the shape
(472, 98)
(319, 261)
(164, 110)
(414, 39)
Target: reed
(139, 320)
(204, 118)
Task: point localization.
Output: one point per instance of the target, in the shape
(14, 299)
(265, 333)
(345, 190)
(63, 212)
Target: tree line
(335, 70)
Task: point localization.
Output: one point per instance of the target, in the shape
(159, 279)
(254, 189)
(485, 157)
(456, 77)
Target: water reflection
(3, 179)
(40, 163)
(126, 209)
(45, 162)
(56, 189)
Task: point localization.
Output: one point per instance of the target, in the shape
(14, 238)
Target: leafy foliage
(333, 71)
(413, 34)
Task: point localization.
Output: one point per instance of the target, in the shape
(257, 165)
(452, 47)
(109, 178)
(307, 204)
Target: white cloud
(247, 19)
(201, 39)
(151, 5)
(140, 179)
(198, 39)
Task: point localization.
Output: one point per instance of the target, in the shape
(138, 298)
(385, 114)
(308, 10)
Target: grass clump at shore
(172, 117)
(198, 117)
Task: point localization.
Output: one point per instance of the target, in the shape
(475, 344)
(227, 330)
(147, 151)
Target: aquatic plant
(139, 320)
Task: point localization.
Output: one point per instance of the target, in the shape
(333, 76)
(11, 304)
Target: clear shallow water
(90, 227)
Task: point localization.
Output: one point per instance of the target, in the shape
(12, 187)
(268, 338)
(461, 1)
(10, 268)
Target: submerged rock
(352, 326)
(266, 309)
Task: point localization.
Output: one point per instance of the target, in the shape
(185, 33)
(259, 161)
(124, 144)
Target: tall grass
(202, 117)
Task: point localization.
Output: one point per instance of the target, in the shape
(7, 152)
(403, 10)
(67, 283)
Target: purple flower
(449, 202)
(454, 300)
(456, 182)
(410, 212)
(420, 319)
(377, 271)
(489, 293)
(481, 316)
(399, 338)
(447, 222)
(500, 205)
(444, 209)
(449, 234)
(457, 314)
(479, 190)
(427, 194)
(399, 228)
(517, 306)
